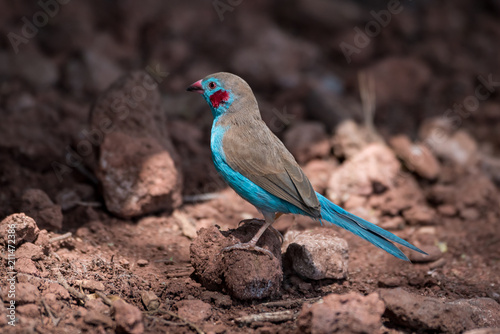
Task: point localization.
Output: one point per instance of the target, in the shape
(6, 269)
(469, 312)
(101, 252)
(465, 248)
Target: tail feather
(366, 230)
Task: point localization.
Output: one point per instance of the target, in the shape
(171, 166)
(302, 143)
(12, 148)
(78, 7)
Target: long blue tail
(366, 230)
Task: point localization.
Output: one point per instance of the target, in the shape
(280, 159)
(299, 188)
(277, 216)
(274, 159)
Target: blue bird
(256, 164)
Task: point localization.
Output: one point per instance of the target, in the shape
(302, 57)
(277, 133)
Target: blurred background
(392, 108)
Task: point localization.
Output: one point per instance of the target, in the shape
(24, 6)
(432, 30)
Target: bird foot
(262, 222)
(248, 246)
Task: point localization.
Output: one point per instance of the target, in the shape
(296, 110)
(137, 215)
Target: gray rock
(317, 254)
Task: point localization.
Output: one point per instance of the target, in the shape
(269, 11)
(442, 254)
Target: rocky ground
(113, 216)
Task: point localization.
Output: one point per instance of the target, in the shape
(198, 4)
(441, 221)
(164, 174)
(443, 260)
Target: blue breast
(260, 198)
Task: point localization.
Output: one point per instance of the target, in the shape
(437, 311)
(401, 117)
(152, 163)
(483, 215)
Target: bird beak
(196, 87)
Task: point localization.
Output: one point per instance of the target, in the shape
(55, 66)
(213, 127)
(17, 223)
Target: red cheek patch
(218, 97)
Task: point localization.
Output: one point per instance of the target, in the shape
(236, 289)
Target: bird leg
(260, 222)
(252, 244)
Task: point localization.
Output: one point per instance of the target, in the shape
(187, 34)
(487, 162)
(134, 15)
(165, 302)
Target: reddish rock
(244, 274)
(128, 318)
(137, 161)
(349, 313)
(194, 310)
(317, 254)
(37, 204)
(26, 266)
(373, 170)
(25, 229)
(349, 139)
(318, 172)
(307, 140)
(29, 251)
(416, 157)
(437, 315)
(433, 254)
(26, 293)
(420, 215)
(28, 310)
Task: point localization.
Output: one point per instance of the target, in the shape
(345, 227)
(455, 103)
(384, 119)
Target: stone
(194, 310)
(37, 204)
(433, 254)
(349, 313)
(429, 314)
(29, 251)
(373, 170)
(245, 274)
(420, 215)
(26, 229)
(416, 157)
(26, 293)
(317, 254)
(128, 318)
(137, 161)
(349, 139)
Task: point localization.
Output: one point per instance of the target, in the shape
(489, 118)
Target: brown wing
(255, 152)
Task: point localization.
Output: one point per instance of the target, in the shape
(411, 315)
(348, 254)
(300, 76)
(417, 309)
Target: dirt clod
(26, 229)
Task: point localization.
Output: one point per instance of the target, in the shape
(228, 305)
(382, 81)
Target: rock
(433, 254)
(455, 146)
(448, 210)
(349, 139)
(96, 318)
(194, 310)
(483, 331)
(318, 172)
(245, 274)
(373, 170)
(142, 262)
(137, 161)
(317, 254)
(128, 318)
(416, 157)
(429, 314)
(28, 310)
(26, 266)
(37, 204)
(29, 251)
(399, 80)
(91, 285)
(26, 293)
(420, 215)
(58, 291)
(469, 214)
(150, 300)
(25, 228)
(349, 313)
(392, 223)
(307, 140)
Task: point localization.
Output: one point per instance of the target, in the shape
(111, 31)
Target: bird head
(224, 93)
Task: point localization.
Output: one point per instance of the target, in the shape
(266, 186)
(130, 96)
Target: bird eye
(212, 85)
